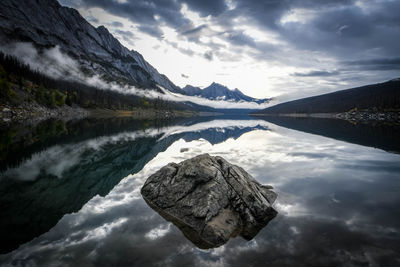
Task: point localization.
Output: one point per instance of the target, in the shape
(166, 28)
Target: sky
(273, 48)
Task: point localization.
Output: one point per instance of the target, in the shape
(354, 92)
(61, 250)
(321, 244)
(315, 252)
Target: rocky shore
(369, 116)
(366, 116)
(33, 112)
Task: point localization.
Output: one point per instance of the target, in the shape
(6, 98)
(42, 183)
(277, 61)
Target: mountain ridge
(217, 91)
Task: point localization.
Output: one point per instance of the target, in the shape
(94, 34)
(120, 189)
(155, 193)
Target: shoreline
(33, 113)
(356, 116)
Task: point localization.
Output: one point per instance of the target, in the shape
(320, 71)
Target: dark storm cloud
(240, 39)
(151, 30)
(348, 31)
(195, 30)
(206, 7)
(340, 29)
(265, 13)
(337, 27)
(143, 12)
(316, 73)
(376, 64)
(193, 34)
(320, 3)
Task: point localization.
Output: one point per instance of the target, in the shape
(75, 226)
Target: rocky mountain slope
(217, 91)
(46, 24)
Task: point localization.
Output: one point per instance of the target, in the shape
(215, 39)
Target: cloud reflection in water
(338, 204)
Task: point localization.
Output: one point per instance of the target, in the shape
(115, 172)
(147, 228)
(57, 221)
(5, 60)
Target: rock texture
(210, 200)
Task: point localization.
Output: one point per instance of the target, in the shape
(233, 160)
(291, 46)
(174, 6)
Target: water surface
(72, 197)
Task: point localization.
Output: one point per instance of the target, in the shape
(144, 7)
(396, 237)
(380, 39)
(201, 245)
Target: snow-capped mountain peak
(218, 91)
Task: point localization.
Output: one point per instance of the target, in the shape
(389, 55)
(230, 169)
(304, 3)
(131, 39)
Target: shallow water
(73, 197)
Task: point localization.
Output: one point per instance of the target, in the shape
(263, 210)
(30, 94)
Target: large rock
(210, 200)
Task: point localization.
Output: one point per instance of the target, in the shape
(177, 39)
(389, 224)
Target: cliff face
(46, 24)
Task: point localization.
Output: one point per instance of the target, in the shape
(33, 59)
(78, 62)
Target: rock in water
(210, 200)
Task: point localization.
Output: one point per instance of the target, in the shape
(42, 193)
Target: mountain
(380, 97)
(192, 90)
(46, 24)
(217, 91)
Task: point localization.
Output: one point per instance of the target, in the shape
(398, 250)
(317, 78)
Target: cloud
(128, 34)
(51, 61)
(208, 55)
(240, 38)
(185, 51)
(375, 64)
(195, 31)
(194, 34)
(316, 73)
(264, 13)
(347, 31)
(207, 7)
(92, 19)
(143, 12)
(116, 24)
(151, 30)
(55, 64)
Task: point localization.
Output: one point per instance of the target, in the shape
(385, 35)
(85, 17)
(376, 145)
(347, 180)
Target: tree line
(52, 92)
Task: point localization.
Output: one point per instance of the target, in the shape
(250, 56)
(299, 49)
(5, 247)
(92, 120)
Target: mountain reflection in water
(79, 194)
(61, 178)
(374, 134)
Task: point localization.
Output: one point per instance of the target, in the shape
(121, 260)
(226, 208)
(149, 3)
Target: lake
(70, 191)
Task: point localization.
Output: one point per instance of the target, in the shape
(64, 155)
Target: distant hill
(218, 91)
(381, 97)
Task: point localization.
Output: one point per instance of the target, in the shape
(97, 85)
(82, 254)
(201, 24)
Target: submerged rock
(210, 200)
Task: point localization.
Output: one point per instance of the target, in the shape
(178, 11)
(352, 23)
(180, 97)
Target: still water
(70, 192)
